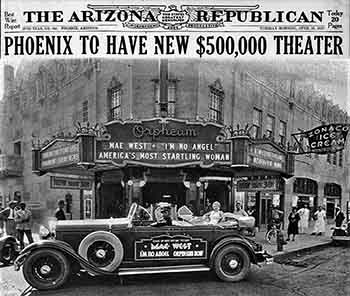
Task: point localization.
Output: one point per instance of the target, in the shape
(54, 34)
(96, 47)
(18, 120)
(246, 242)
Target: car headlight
(43, 231)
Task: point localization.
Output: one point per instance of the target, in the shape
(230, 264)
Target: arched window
(305, 186)
(332, 189)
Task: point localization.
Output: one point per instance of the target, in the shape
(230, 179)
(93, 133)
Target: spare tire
(102, 249)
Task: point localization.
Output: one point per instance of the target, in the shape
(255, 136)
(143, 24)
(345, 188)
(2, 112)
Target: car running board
(162, 269)
(339, 237)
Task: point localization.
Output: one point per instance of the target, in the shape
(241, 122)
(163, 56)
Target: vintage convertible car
(135, 245)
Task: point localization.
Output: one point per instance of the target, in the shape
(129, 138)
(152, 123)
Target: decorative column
(321, 201)
(36, 157)
(288, 198)
(198, 196)
(86, 150)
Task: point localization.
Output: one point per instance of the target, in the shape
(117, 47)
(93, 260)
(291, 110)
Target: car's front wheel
(46, 269)
(232, 263)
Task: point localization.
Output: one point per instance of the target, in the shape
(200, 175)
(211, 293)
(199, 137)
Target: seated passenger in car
(215, 215)
(164, 218)
(142, 214)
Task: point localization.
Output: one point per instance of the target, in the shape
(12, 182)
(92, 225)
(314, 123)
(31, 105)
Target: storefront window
(270, 126)
(305, 186)
(282, 132)
(257, 122)
(17, 148)
(332, 193)
(305, 192)
(332, 189)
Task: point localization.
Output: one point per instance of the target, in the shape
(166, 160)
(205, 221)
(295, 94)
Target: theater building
(103, 133)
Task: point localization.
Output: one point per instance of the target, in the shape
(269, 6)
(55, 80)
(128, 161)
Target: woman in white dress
(215, 215)
(304, 214)
(320, 222)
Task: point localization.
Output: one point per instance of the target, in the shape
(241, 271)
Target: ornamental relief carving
(300, 96)
(41, 77)
(317, 107)
(74, 66)
(51, 85)
(330, 115)
(61, 72)
(217, 85)
(50, 76)
(114, 83)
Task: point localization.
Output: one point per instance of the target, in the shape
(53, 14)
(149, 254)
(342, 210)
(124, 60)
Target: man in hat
(164, 217)
(8, 215)
(59, 214)
(239, 209)
(23, 218)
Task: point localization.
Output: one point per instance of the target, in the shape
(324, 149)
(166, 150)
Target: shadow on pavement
(85, 283)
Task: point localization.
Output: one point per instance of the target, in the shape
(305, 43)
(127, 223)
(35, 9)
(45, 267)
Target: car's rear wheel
(102, 249)
(46, 269)
(8, 253)
(232, 263)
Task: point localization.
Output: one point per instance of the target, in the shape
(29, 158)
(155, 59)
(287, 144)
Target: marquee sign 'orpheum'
(164, 143)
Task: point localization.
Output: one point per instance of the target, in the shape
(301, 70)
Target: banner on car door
(170, 247)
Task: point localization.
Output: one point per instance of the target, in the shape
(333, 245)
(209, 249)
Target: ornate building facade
(46, 100)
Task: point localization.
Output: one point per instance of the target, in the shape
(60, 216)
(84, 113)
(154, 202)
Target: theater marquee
(164, 143)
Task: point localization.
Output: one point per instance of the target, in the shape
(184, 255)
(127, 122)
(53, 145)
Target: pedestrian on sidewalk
(59, 214)
(339, 217)
(293, 219)
(8, 215)
(320, 221)
(276, 218)
(304, 214)
(23, 218)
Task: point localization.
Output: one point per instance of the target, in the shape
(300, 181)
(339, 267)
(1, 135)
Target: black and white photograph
(174, 148)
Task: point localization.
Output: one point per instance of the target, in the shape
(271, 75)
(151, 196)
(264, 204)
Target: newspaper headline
(174, 30)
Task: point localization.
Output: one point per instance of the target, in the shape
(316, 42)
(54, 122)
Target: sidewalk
(302, 243)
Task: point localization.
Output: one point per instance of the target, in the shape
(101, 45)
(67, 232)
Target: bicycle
(271, 235)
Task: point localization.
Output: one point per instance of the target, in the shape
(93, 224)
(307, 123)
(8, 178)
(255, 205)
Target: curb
(285, 255)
